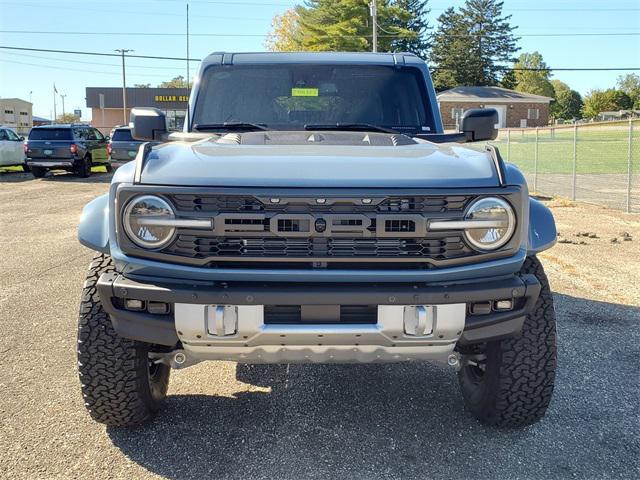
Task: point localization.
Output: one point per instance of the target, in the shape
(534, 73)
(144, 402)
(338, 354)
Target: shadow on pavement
(96, 177)
(407, 420)
(9, 176)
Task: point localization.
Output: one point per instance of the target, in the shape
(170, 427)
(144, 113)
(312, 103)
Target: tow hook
(176, 359)
(453, 360)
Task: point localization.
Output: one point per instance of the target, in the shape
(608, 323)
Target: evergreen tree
(341, 25)
(417, 23)
(471, 46)
(449, 51)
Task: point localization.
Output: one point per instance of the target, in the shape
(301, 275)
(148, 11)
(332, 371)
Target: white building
(16, 114)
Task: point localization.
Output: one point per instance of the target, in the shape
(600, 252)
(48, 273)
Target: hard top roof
(327, 58)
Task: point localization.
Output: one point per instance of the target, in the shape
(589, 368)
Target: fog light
(480, 308)
(133, 304)
(158, 308)
(504, 304)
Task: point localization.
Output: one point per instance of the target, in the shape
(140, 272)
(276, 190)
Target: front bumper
(253, 340)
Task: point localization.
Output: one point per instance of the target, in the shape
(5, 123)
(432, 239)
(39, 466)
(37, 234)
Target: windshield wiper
(353, 127)
(230, 126)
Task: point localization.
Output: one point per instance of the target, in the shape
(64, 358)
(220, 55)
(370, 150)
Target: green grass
(600, 149)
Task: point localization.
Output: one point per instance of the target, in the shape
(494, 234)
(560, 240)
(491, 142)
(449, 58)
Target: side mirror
(480, 124)
(22, 139)
(107, 138)
(147, 124)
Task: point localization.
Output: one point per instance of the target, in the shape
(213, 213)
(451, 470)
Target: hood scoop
(314, 138)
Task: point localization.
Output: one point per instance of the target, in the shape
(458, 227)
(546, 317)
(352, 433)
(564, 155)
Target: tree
(285, 36)
(470, 45)
(568, 103)
(67, 118)
(141, 85)
(598, 101)
(340, 25)
(417, 23)
(449, 51)
(620, 99)
(176, 82)
(536, 80)
(630, 84)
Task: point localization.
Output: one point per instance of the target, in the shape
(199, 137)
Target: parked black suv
(122, 147)
(74, 148)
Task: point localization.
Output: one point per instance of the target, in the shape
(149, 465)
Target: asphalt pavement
(224, 420)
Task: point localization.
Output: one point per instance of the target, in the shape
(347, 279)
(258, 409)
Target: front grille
(299, 231)
(440, 248)
(248, 204)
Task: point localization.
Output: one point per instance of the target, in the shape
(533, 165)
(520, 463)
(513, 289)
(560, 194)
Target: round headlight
(495, 225)
(147, 221)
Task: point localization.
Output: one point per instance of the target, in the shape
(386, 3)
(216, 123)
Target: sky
(242, 25)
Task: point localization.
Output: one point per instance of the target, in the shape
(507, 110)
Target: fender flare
(542, 233)
(93, 230)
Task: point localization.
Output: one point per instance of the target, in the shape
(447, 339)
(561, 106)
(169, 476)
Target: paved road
(228, 421)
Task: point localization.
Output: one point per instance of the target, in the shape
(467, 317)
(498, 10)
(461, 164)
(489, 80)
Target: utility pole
(373, 7)
(123, 51)
(187, 45)
(62, 97)
(188, 74)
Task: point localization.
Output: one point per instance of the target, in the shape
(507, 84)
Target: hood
(318, 159)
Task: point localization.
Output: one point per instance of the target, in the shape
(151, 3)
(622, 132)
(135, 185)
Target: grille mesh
(244, 239)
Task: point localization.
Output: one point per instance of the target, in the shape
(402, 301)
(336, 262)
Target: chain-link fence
(597, 163)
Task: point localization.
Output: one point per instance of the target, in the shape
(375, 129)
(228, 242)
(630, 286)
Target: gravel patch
(224, 420)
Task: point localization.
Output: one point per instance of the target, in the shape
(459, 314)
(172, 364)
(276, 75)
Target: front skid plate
(253, 341)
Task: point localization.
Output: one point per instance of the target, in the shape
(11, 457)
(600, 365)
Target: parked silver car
(12, 149)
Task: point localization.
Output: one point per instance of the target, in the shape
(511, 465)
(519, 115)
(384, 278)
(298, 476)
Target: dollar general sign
(171, 98)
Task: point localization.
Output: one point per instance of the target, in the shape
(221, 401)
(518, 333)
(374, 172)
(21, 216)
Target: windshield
(50, 134)
(288, 97)
(122, 135)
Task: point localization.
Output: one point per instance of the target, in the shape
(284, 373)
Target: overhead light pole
(373, 7)
(123, 51)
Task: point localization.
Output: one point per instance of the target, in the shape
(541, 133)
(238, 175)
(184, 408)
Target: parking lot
(223, 420)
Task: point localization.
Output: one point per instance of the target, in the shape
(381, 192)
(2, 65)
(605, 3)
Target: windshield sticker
(304, 92)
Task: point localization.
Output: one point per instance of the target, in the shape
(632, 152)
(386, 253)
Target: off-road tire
(83, 170)
(38, 172)
(515, 388)
(119, 385)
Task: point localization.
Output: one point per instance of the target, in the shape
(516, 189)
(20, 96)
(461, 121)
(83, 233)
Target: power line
(171, 34)
(84, 62)
(72, 52)
(58, 67)
(132, 12)
(99, 54)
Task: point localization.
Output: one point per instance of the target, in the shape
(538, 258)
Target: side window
(12, 136)
(80, 133)
(97, 134)
(3, 135)
(91, 134)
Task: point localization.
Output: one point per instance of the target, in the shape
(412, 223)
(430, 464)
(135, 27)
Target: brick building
(106, 105)
(515, 109)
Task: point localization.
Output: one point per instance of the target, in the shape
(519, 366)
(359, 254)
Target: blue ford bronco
(314, 210)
